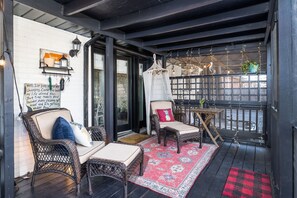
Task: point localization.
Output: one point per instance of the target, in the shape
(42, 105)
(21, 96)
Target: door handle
(1, 154)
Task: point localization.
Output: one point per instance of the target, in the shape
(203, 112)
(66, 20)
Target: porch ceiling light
(76, 44)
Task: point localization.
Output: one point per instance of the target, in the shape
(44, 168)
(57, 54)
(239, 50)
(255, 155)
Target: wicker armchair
(183, 132)
(59, 156)
(155, 123)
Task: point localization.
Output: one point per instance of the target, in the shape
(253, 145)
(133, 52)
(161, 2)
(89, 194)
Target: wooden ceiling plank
(78, 6)
(156, 12)
(53, 8)
(213, 42)
(205, 34)
(218, 18)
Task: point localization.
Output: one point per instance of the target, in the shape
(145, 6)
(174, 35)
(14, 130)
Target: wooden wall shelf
(60, 70)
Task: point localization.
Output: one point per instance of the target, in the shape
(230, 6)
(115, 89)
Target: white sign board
(39, 96)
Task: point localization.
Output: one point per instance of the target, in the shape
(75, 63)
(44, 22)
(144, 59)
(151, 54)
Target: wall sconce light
(76, 44)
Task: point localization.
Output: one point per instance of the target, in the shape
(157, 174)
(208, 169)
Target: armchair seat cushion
(180, 127)
(160, 105)
(85, 153)
(118, 152)
(45, 120)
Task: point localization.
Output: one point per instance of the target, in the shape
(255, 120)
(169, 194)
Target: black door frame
(101, 52)
(130, 81)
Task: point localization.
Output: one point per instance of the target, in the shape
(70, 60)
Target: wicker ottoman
(115, 160)
(183, 132)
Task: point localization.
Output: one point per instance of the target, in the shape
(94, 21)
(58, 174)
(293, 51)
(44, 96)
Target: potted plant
(201, 101)
(249, 66)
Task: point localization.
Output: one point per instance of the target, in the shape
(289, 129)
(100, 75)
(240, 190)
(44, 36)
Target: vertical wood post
(135, 94)
(109, 96)
(287, 72)
(7, 164)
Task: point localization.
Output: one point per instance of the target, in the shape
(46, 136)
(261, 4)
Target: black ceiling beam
(205, 34)
(78, 6)
(213, 42)
(269, 20)
(156, 12)
(54, 8)
(222, 17)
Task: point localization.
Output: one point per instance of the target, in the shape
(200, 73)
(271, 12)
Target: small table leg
(204, 124)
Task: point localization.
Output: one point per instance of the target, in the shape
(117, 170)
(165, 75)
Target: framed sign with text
(39, 96)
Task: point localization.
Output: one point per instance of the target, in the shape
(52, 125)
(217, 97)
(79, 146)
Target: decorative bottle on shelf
(64, 61)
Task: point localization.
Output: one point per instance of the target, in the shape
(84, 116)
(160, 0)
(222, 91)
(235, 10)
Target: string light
(227, 57)
(2, 61)
(173, 71)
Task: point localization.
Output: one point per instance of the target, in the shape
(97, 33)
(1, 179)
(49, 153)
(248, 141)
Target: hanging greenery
(249, 66)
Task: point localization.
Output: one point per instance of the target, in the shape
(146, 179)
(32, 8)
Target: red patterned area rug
(169, 173)
(246, 183)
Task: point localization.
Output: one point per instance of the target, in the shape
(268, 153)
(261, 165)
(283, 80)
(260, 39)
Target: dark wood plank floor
(210, 183)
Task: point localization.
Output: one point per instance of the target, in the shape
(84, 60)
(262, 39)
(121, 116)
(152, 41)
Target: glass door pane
(141, 95)
(98, 118)
(122, 110)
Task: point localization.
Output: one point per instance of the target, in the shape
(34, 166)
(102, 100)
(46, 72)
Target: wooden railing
(243, 98)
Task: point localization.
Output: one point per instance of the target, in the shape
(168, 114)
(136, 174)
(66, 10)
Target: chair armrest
(54, 146)
(155, 123)
(180, 116)
(57, 150)
(98, 133)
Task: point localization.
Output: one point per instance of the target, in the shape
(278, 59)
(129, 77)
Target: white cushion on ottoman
(85, 153)
(118, 152)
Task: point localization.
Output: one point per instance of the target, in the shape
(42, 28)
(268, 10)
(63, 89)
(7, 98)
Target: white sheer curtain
(156, 87)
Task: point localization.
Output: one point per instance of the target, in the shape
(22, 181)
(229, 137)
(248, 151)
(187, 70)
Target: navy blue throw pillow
(62, 130)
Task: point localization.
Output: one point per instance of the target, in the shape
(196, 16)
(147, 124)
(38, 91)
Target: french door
(123, 97)
(141, 101)
(98, 88)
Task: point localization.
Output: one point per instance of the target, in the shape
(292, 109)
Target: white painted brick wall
(29, 37)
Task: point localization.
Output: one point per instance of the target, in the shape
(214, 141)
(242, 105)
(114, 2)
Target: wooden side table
(209, 115)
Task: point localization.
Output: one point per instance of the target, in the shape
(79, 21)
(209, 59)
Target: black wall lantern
(75, 47)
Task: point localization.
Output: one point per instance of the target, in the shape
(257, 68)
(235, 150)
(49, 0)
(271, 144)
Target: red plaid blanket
(244, 183)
